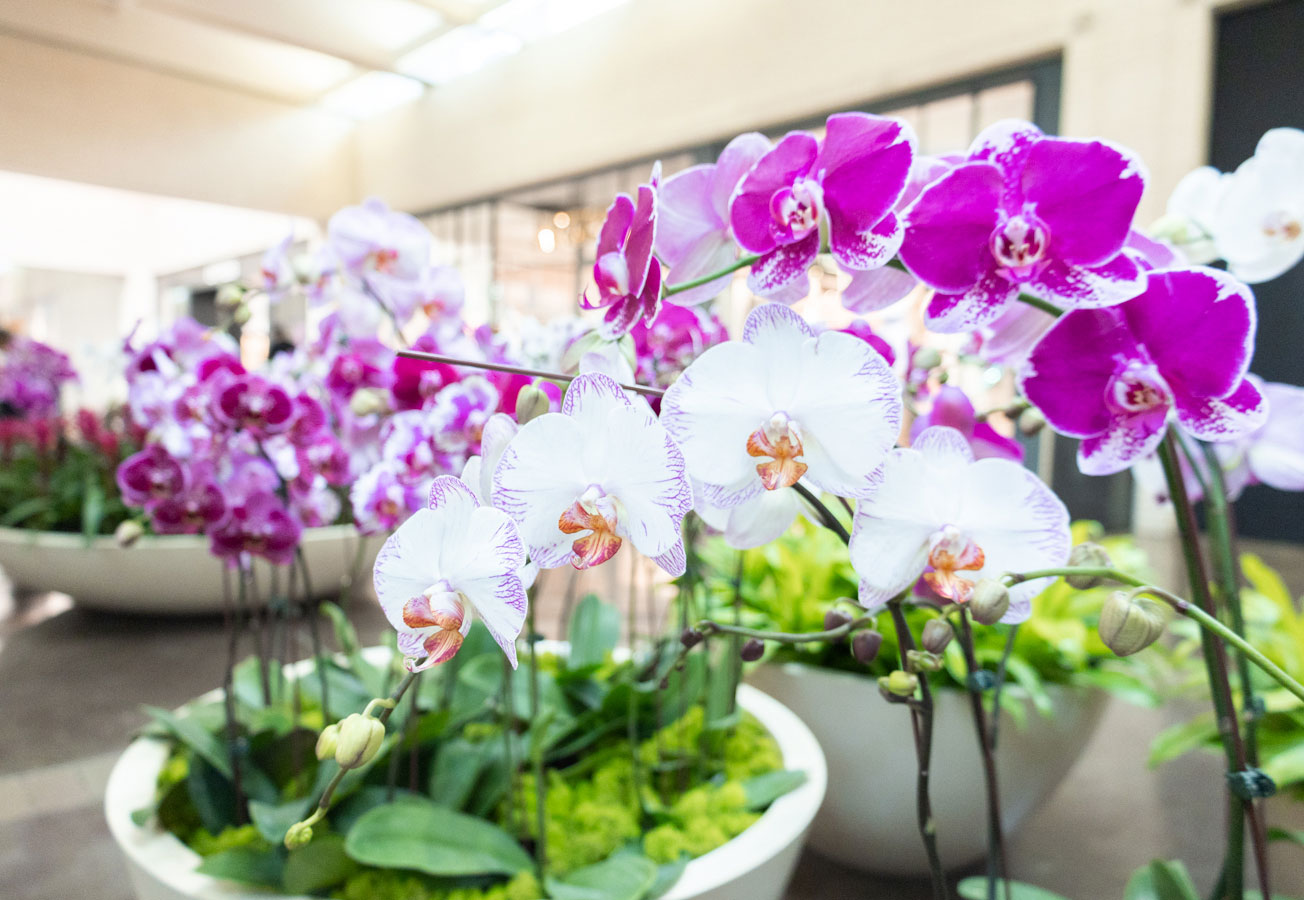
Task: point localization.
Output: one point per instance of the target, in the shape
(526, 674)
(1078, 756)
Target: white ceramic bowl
(868, 819)
(170, 574)
(756, 865)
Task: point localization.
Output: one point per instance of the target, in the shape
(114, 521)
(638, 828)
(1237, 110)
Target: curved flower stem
(1041, 304)
(741, 262)
(827, 519)
(1000, 684)
(709, 627)
(921, 723)
(514, 370)
(997, 864)
(536, 752)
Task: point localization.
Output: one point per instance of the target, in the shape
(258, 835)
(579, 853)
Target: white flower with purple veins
(755, 522)
(1272, 454)
(460, 412)
(601, 471)
(449, 562)
(478, 474)
(939, 513)
(784, 404)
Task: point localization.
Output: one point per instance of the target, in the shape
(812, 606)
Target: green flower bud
(865, 645)
(229, 295)
(368, 401)
(936, 635)
(531, 402)
(299, 835)
(989, 601)
(242, 314)
(1129, 623)
(128, 533)
(595, 342)
(1030, 421)
(1091, 555)
(359, 739)
(902, 683)
(327, 741)
(923, 661)
(926, 358)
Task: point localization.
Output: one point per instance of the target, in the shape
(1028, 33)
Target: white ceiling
(296, 51)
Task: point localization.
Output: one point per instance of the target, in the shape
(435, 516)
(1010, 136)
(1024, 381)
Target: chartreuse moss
(390, 884)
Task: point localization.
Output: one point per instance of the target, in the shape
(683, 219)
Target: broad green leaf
(1284, 834)
(321, 864)
(92, 511)
(212, 795)
(258, 867)
(668, 875)
(347, 813)
(273, 820)
(975, 888)
(625, 876)
(435, 840)
(23, 511)
(458, 764)
(206, 745)
(765, 789)
(1025, 675)
(1161, 880)
(1123, 685)
(1266, 580)
(1182, 738)
(1286, 767)
(593, 633)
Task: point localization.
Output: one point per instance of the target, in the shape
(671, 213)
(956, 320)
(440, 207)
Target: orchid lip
(779, 439)
(1138, 387)
(597, 513)
(796, 209)
(1020, 245)
(952, 551)
(1281, 225)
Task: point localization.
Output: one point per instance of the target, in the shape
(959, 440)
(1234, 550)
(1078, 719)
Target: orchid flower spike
(601, 471)
(445, 564)
(781, 405)
(939, 513)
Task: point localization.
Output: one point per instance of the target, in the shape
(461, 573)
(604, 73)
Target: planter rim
(67, 540)
(131, 787)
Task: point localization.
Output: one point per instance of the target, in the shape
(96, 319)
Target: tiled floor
(72, 681)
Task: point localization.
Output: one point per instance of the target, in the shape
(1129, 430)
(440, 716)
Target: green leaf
(435, 840)
(1283, 834)
(140, 817)
(273, 820)
(259, 867)
(212, 795)
(625, 876)
(593, 633)
(206, 745)
(457, 767)
(1161, 880)
(1182, 738)
(23, 511)
(668, 875)
(1025, 675)
(363, 801)
(765, 789)
(1286, 767)
(1123, 685)
(975, 888)
(92, 511)
(319, 865)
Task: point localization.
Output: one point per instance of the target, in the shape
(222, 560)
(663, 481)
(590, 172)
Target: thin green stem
(741, 262)
(709, 626)
(536, 751)
(514, 370)
(1041, 304)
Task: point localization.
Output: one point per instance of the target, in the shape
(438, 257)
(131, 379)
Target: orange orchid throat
(951, 552)
(594, 512)
(443, 642)
(779, 442)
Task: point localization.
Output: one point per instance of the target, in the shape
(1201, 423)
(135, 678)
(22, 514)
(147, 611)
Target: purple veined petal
(642, 235)
(738, 156)
(501, 602)
(865, 162)
(615, 227)
(711, 253)
(1005, 144)
(685, 215)
(876, 289)
(980, 305)
(1086, 192)
(674, 562)
(1068, 373)
(1223, 419)
(784, 266)
(1276, 452)
(1116, 281)
(447, 491)
(1126, 440)
(949, 227)
(649, 300)
(749, 209)
(865, 249)
(1198, 326)
(621, 316)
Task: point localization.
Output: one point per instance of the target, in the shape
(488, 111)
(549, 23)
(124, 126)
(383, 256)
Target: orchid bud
(242, 314)
(1091, 555)
(690, 638)
(926, 358)
(1129, 623)
(531, 403)
(128, 533)
(595, 342)
(900, 683)
(753, 650)
(835, 619)
(229, 295)
(327, 741)
(358, 740)
(299, 835)
(1030, 421)
(368, 401)
(989, 602)
(923, 661)
(936, 635)
(865, 646)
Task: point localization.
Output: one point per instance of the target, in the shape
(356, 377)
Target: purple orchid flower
(381, 499)
(693, 236)
(666, 346)
(627, 275)
(254, 404)
(951, 407)
(149, 475)
(1025, 212)
(1115, 376)
(32, 374)
(197, 507)
(361, 366)
(852, 179)
(261, 526)
(861, 329)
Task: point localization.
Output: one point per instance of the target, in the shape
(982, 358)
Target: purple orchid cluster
(32, 376)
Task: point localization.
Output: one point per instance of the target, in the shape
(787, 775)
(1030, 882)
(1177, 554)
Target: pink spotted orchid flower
(627, 274)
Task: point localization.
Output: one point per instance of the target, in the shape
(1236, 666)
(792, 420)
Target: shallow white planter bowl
(171, 574)
(756, 865)
(868, 820)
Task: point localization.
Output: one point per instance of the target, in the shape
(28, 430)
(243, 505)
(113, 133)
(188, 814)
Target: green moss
(390, 884)
(205, 843)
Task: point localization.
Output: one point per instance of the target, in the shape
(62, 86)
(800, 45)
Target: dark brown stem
(514, 370)
(996, 858)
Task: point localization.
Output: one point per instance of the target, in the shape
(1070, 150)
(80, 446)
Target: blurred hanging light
(547, 240)
(561, 219)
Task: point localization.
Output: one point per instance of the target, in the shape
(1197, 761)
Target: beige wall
(662, 74)
(72, 116)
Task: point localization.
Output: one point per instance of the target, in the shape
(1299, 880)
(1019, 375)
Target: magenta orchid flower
(693, 235)
(196, 507)
(449, 562)
(381, 498)
(863, 330)
(939, 513)
(1115, 377)
(784, 404)
(627, 275)
(254, 404)
(260, 526)
(951, 407)
(149, 475)
(1025, 212)
(603, 470)
(802, 191)
(1272, 454)
(276, 271)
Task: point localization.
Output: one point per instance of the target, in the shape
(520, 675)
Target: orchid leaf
(1161, 880)
(435, 840)
(593, 632)
(764, 789)
(317, 866)
(624, 876)
(1182, 738)
(245, 865)
(975, 888)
